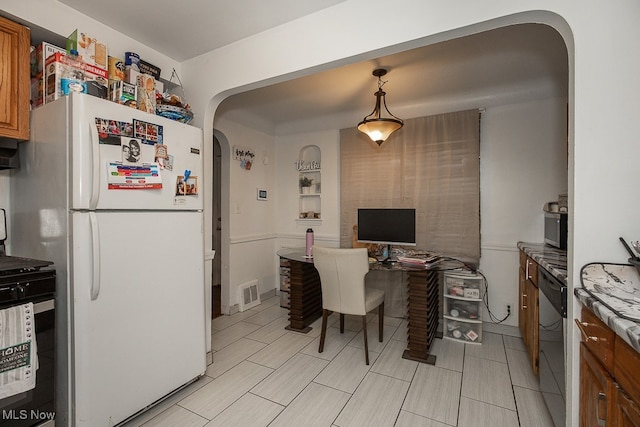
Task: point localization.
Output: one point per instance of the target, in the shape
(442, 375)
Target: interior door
(138, 314)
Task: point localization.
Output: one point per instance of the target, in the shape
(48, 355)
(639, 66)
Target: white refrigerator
(125, 230)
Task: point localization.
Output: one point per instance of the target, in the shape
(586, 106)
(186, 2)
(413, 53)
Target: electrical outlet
(508, 309)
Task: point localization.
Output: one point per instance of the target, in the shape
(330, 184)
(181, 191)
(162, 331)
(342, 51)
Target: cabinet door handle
(583, 331)
(602, 398)
(526, 270)
(524, 305)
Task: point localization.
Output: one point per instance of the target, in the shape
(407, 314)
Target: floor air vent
(249, 295)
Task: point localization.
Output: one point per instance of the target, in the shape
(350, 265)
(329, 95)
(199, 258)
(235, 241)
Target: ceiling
(504, 65)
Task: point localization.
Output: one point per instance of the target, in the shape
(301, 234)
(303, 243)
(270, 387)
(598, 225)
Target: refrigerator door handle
(95, 168)
(95, 256)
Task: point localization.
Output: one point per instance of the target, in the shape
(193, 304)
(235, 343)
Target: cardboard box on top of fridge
(123, 93)
(146, 93)
(56, 80)
(63, 75)
(89, 49)
(131, 76)
(39, 57)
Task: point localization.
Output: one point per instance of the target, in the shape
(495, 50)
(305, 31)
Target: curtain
(431, 164)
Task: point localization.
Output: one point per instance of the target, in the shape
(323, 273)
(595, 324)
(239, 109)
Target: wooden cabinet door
(597, 392)
(627, 413)
(532, 326)
(522, 306)
(14, 80)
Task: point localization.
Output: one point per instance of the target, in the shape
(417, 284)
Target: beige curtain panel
(431, 164)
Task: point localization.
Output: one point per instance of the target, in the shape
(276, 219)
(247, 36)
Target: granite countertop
(612, 293)
(551, 259)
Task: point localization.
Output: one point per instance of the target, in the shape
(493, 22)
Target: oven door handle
(95, 256)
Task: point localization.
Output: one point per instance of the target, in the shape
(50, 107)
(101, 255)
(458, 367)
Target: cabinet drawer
(598, 338)
(530, 267)
(627, 368)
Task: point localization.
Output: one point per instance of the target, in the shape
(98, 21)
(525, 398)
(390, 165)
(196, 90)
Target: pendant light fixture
(379, 128)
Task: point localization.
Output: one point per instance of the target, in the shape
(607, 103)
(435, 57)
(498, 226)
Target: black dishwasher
(552, 320)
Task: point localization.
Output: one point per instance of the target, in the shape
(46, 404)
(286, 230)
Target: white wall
(250, 226)
(523, 164)
(288, 152)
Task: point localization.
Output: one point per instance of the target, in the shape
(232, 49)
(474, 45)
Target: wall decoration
(245, 156)
(262, 194)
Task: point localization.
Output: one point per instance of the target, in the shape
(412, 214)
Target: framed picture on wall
(262, 194)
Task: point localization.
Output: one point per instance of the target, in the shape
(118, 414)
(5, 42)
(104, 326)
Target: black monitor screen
(394, 226)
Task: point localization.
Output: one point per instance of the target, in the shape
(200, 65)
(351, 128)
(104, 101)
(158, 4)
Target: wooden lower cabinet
(627, 413)
(528, 308)
(609, 376)
(597, 391)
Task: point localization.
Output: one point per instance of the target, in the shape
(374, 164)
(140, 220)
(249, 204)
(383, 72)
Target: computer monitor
(390, 226)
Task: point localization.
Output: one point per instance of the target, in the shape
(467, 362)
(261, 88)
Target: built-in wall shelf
(309, 180)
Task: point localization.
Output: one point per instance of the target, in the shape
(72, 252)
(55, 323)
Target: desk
(305, 299)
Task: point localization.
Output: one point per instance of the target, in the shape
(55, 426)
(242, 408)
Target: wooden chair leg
(364, 332)
(341, 323)
(323, 333)
(380, 321)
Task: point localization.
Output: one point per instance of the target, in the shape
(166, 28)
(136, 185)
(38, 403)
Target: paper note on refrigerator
(145, 176)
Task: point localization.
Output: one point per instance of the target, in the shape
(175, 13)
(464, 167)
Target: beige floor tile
(434, 394)
(373, 336)
(520, 368)
(316, 406)
(221, 339)
(514, 343)
(290, 379)
(270, 332)
(401, 333)
(479, 414)
(532, 410)
(487, 381)
(333, 344)
(391, 363)
(248, 411)
(268, 315)
(376, 402)
(346, 370)
(407, 419)
(219, 394)
(492, 348)
(281, 350)
(449, 354)
(232, 355)
(176, 416)
(168, 402)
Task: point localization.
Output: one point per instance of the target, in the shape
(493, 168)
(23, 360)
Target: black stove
(25, 280)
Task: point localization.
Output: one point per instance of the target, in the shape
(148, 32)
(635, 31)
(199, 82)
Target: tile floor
(264, 375)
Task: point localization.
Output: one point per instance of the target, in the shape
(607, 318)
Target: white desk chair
(342, 274)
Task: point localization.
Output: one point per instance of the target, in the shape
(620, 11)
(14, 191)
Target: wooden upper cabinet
(15, 41)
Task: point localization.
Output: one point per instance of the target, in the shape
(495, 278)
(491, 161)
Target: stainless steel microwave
(555, 229)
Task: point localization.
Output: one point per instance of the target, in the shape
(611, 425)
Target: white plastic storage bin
(462, 317)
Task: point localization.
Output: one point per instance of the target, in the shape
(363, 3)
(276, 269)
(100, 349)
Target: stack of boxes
(84, 66)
